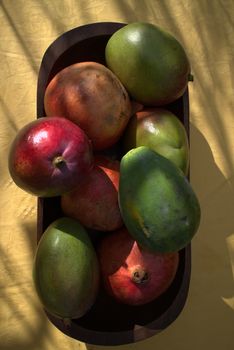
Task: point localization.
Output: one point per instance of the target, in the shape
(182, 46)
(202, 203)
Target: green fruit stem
(190, 77)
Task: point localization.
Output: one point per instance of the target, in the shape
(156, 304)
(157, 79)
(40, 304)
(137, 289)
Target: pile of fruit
(139, 198)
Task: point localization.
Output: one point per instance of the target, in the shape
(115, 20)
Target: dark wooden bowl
(108, 322)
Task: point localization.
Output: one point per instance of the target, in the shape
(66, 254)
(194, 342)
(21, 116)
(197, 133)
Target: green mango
(157, 202)
(66, 269)
(160, 130)
(150, 62)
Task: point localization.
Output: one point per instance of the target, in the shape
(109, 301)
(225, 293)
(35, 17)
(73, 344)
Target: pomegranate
(131, 274)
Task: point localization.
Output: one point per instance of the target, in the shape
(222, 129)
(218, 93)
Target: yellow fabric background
(205, 28)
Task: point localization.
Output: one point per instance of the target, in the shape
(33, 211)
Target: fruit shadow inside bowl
(109, 322)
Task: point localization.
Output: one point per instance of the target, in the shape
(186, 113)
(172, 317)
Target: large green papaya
(66, 270)
(157, 202)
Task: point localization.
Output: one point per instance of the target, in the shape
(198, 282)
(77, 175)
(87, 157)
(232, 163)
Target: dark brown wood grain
(109, 323)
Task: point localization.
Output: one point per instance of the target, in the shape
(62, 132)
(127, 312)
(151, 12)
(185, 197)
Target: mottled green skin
(158, 204)
(162, 131)
(66, 270)
(150, 63)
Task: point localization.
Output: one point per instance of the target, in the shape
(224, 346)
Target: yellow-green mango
(162, 131)
(150, 62)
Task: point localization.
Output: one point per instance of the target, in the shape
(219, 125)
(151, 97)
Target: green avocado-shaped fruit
(66, 270)
(150, 62)
(157, 202)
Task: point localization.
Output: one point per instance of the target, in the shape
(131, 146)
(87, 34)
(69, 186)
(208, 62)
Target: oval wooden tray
(109, 323)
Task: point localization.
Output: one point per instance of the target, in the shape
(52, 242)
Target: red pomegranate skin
(90, 95)
(131, 274)
(49, 156)
(95, 202)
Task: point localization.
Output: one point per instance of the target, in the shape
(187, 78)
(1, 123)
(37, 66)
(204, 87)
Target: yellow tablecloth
(205, 28)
